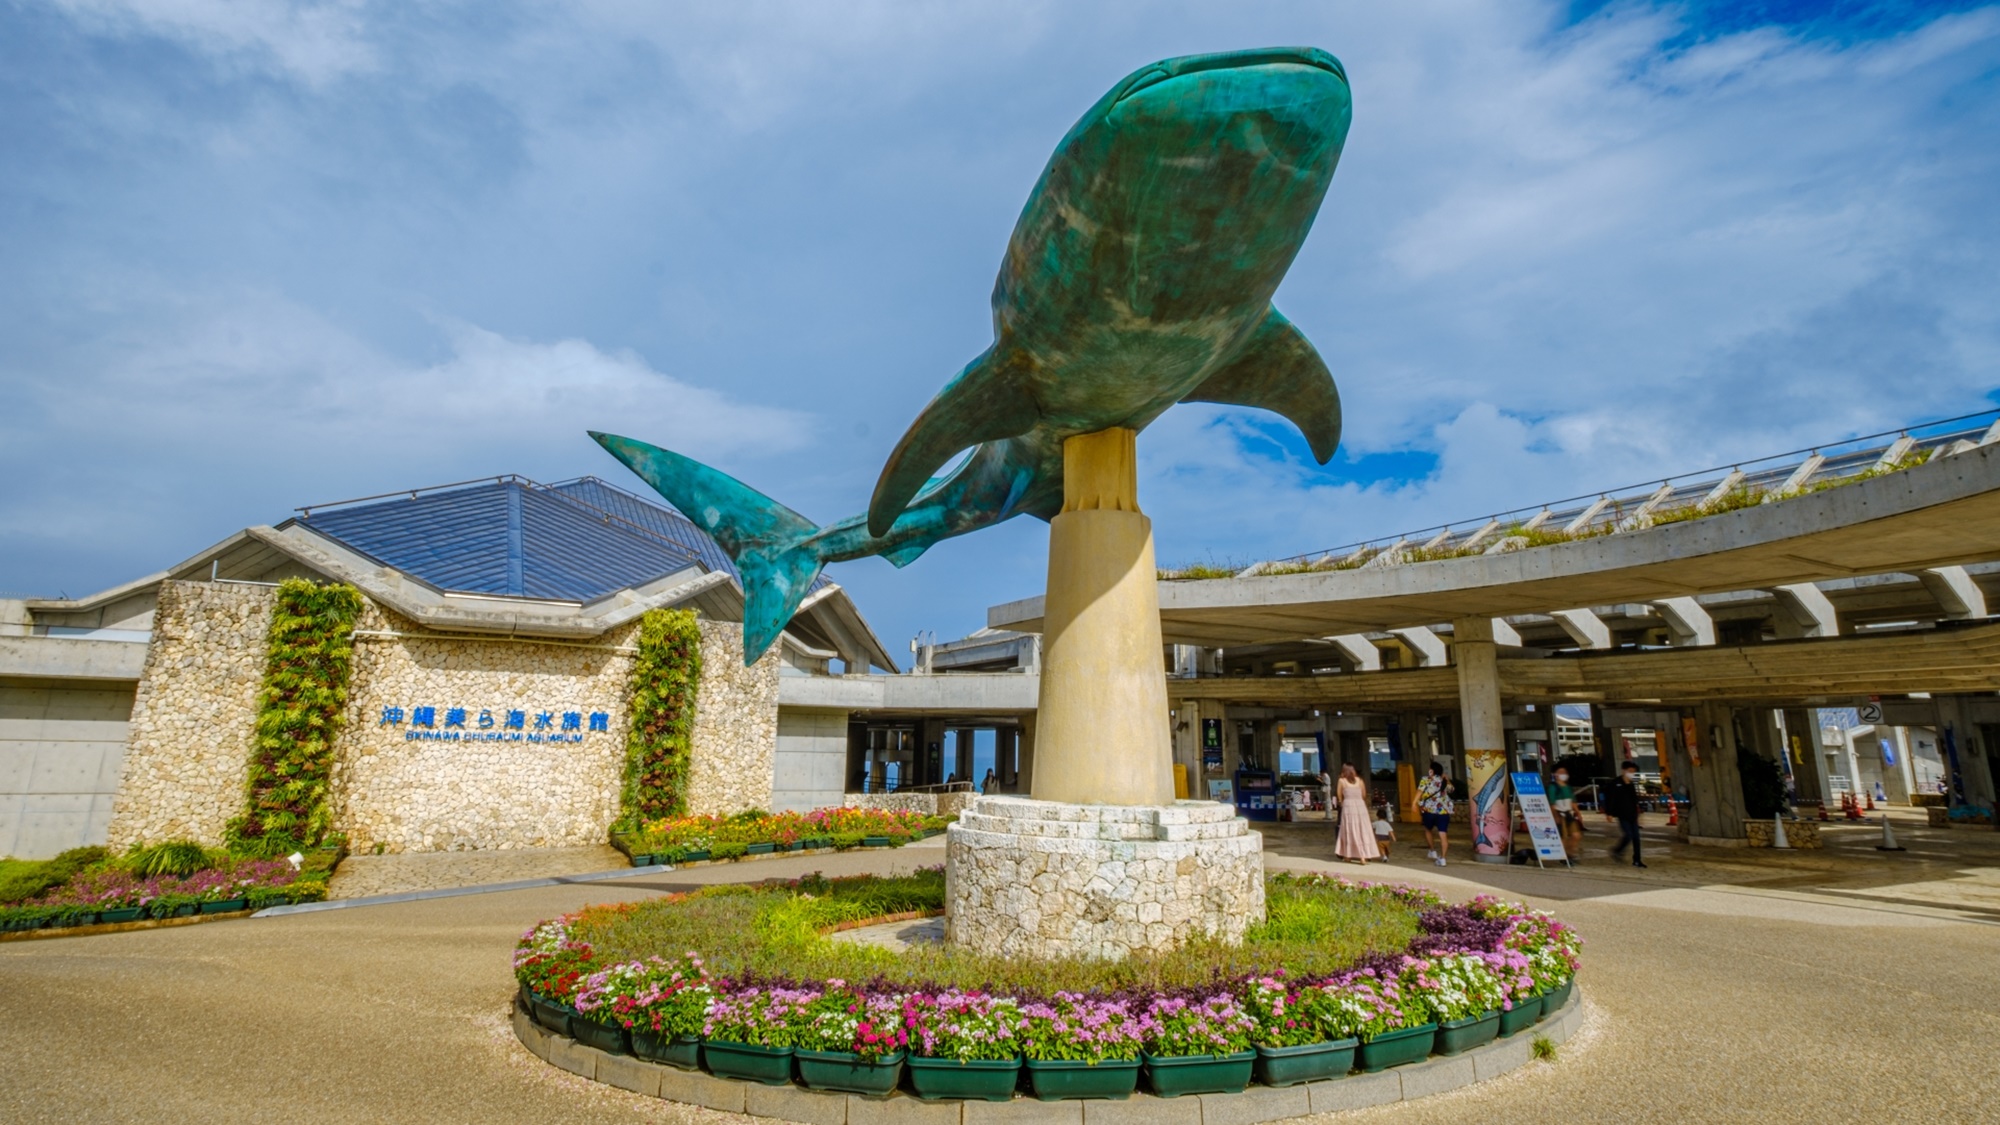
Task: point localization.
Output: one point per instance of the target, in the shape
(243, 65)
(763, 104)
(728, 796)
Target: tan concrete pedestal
(1103, 861)
(1101, 734)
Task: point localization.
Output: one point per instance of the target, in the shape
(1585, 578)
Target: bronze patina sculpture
(1139, 275)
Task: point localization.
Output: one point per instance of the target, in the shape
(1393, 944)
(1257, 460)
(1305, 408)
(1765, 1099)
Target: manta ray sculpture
(1139, 275)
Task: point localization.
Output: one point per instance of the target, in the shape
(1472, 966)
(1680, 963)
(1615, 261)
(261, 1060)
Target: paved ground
(1787, 990)
(360, 876)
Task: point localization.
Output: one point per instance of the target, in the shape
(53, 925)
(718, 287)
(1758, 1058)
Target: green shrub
(1763, 784)
(666, 674)
(21, 880)
(311, 651)
(728, 851)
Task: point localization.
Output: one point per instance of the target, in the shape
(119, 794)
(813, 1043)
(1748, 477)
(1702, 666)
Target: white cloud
(315, 42)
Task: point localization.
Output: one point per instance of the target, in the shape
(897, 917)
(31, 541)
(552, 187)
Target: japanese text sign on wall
(455, 724)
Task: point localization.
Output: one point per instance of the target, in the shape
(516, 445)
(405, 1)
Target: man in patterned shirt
(1434, 803)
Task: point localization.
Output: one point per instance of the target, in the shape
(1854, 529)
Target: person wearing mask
(1356, 842)
(1562, 799)
(1622, 805)
(1434, 804)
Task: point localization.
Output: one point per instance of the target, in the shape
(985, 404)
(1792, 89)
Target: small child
(1385, 832)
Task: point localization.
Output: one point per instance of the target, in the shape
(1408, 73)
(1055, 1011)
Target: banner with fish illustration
(1486, 781)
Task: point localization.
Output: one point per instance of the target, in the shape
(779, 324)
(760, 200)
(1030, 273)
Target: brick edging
(1251, 1107)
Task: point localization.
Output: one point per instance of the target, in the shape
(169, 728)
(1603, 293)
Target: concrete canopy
(1943, 513)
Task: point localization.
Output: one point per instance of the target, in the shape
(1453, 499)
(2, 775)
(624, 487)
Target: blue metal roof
(577, 540)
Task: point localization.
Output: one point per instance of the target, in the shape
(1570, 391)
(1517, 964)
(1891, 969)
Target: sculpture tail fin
(765, 538)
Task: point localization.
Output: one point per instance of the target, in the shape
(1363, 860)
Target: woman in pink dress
(1357, 829)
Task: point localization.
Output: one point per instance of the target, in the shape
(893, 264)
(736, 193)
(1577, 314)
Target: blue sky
(254, 256)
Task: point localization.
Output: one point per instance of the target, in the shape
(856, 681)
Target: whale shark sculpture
(1139, 275)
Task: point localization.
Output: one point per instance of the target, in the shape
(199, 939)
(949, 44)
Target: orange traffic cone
(1673, 813)
(1871, 802)
(1822, 810)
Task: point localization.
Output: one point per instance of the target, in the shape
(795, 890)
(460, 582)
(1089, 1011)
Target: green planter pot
(1174, 1075)
(1455, 1037)
(986, 1080)
(1521, 1016)
(760, 849)
(1308, 1062)
(849, 1073)
(875, 841)
(225, 906)
(683, 1051)
(608, 1038)
(122, 914)
(1554, 999)
(1056, 1079)
(549, 1014)
(642, 859)
(771, 1066)
(1394, 1048)
(694, 856)
(796, 846)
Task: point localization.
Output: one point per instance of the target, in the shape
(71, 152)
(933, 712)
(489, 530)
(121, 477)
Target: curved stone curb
(1254, 1105)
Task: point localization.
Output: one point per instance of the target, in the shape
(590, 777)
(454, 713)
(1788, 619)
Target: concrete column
(1187, 718)
(1715, 785)
(963, 766)
(1973, 765)
(1802, 744)
(930, 732)
(1477, 657)
(1006, 744)
(1104, 683)
(1024, 779)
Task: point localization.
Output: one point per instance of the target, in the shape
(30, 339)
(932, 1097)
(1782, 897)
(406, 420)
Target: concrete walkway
(1708, 1002)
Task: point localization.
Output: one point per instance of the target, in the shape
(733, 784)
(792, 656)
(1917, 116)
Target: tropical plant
(666, 674)
(1080, 1028)
(170, 857)
(302, 707)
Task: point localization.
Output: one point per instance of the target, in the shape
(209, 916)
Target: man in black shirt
(1622, 805)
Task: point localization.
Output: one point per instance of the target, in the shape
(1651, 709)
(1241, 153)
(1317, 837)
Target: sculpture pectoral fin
(1278, 370)
(990, 400)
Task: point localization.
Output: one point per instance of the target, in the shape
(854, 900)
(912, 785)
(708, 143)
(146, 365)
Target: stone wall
(736, 725)
(1027, 878)
(929, 804)
(193, 715)
(475, 781)
(463, 781)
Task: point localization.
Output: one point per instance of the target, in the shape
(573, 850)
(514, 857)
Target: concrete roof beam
(1359, 650)
(1689, 623)
(1956, 593)
(1801, 475)
(1809, 606)
(1584, 627)
(1643, 514)
(1425, 644)
(1584, 517)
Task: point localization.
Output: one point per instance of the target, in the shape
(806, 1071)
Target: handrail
(1650, 485)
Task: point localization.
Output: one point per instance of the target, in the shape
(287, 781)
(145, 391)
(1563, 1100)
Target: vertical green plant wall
(300, 710)
(665, 675)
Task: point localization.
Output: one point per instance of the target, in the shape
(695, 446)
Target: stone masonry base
(1251, 1107)
(1026, 878)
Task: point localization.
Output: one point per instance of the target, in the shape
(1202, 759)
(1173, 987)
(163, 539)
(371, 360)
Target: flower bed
(1341, 975)
(679, 839)
(124, 889)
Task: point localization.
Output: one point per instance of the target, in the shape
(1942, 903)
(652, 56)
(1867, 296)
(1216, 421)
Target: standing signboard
(1542, 829)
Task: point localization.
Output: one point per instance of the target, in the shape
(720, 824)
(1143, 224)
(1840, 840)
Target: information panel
(1541, 820)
